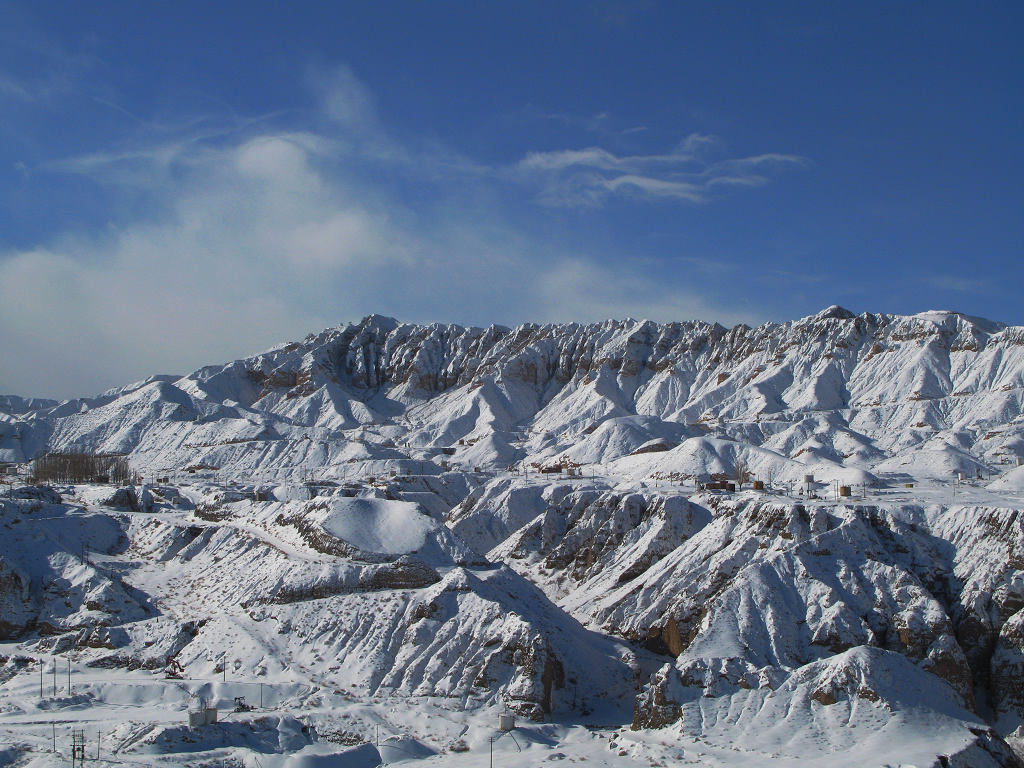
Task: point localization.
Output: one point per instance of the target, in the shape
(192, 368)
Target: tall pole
(54, 659)
(41, 678)
(69, 674)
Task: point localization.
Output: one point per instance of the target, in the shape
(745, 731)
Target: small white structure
(506, 721)
(205, 715)
(808, 478)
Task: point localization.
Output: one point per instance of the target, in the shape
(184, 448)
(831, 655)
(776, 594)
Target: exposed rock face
(124, 498)
(405, 573)
(658, 704)
(16, 603)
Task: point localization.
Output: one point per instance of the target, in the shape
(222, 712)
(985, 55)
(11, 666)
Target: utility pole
(41, 665)
(99, 740)
(77, 747)
(54, 665)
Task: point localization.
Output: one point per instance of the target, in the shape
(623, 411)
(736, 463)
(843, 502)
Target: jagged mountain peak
(836, 312)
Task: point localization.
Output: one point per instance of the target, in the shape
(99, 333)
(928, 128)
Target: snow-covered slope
(477, 518)
(930, 394)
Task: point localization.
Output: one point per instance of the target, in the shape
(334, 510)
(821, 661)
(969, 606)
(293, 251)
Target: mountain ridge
(881, 376)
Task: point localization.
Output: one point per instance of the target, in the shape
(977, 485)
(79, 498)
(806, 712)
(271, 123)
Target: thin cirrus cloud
(262, 230)
(956, 283)
(593, 175)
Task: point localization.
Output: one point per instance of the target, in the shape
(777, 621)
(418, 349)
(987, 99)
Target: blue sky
(185, 183)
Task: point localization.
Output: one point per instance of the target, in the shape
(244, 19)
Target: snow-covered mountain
(515, 518)
(930, 394)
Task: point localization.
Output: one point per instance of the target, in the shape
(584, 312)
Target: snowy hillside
(416, 528)
(930, 395)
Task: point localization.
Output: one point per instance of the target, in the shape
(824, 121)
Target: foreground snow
(345, 614)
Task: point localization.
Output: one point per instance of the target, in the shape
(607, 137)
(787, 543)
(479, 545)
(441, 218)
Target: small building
(205, 715)
(719, 485)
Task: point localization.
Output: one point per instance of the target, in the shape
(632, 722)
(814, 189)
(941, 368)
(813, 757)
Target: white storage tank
(203, 715)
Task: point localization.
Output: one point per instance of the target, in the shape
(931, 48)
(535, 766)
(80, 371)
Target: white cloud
(578, 290)
(958, 283)
(257, 235)
(590, 176)
(694, 143)
(344, 98)
(656, 187)
(350, 237)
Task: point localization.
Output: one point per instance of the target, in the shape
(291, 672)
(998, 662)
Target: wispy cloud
(39, 70)
(958, 283)
(582, 290)
(603, 124)
(690, 173)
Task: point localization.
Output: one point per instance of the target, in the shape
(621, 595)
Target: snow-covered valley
(387, 535)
